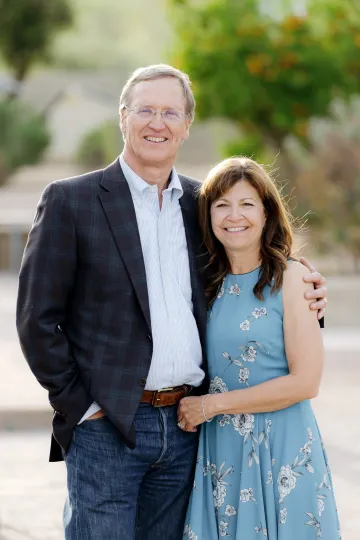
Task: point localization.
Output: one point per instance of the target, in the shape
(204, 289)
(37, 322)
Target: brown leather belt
(165, 397)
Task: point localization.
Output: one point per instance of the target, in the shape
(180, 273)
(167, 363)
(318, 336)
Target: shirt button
(142, 381)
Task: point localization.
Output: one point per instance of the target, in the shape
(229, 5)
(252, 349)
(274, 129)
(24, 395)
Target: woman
(261, 470)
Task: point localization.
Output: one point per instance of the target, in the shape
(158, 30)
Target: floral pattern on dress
(288, 474)
(283, 515)
(234, 290)
(243, 424)
(255, 314)
(264, 435)
(244, 374)
(314, 522)
(230, 510)
(221, 290)
(249, 351)
(218, 481)
(248, 354)
(224, 523)
(247, 495)
(322, 495)
(261, 529)
(217, 386)
(258, 312)
(189, 533)
(224, 420)
(286, 481)
(245, 325)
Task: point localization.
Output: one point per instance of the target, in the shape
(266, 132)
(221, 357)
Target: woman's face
(238, 218)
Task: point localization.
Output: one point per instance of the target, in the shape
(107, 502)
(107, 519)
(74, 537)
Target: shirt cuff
(94, 408)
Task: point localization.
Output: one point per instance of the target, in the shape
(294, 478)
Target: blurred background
(276, 80)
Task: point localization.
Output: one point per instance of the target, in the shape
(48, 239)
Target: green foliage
(23, 137)
(100, 146)
(269, 76)
(249, 145)
(27, 28)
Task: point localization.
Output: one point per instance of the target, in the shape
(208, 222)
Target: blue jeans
(115, 493)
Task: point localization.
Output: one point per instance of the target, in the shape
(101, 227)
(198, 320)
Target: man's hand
(320, 291)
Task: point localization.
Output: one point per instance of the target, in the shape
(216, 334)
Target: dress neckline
(245, 273)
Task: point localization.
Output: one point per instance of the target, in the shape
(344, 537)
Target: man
(111, 319)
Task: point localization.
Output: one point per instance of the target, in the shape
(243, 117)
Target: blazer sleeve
(45, 285)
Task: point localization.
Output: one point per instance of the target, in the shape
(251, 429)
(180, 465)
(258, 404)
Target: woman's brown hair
(277, 235)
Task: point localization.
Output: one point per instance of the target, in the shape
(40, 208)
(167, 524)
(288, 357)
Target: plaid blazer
(83, 314)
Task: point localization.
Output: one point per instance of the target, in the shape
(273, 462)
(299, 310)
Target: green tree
(269, 76)
(27, 28)
(100, 146)
(23, 137)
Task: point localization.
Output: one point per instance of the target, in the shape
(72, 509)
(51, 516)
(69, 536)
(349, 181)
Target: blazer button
(149, 337)
(142, 381)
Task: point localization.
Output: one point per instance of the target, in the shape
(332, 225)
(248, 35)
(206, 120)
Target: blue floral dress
(261, 475)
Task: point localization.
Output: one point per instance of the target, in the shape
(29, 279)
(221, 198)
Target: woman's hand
(190, 412)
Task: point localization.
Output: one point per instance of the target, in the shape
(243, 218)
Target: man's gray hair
(159, 71)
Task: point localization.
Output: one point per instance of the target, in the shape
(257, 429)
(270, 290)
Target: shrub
(23, 137)
(100, 146)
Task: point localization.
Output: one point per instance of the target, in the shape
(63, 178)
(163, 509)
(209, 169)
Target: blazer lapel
(196, 259)
(189, 224)
(119, 208)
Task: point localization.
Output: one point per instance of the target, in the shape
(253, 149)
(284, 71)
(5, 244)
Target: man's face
(153, 141)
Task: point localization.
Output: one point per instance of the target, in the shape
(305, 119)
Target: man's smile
(156, 140)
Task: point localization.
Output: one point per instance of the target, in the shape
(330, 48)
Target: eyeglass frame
(155, 111)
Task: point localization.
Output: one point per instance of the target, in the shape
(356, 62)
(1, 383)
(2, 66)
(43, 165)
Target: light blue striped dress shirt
(177, 354)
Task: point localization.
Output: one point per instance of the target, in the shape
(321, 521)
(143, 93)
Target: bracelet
(203, 408)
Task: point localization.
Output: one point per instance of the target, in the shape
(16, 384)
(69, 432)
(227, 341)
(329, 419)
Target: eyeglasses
(170, 116)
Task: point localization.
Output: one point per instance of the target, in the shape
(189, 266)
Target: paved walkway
(32, 491)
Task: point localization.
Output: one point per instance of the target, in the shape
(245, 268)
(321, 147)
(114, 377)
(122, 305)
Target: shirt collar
(138, 185)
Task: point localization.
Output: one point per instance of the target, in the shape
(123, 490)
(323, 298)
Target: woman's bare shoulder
(293, 282)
